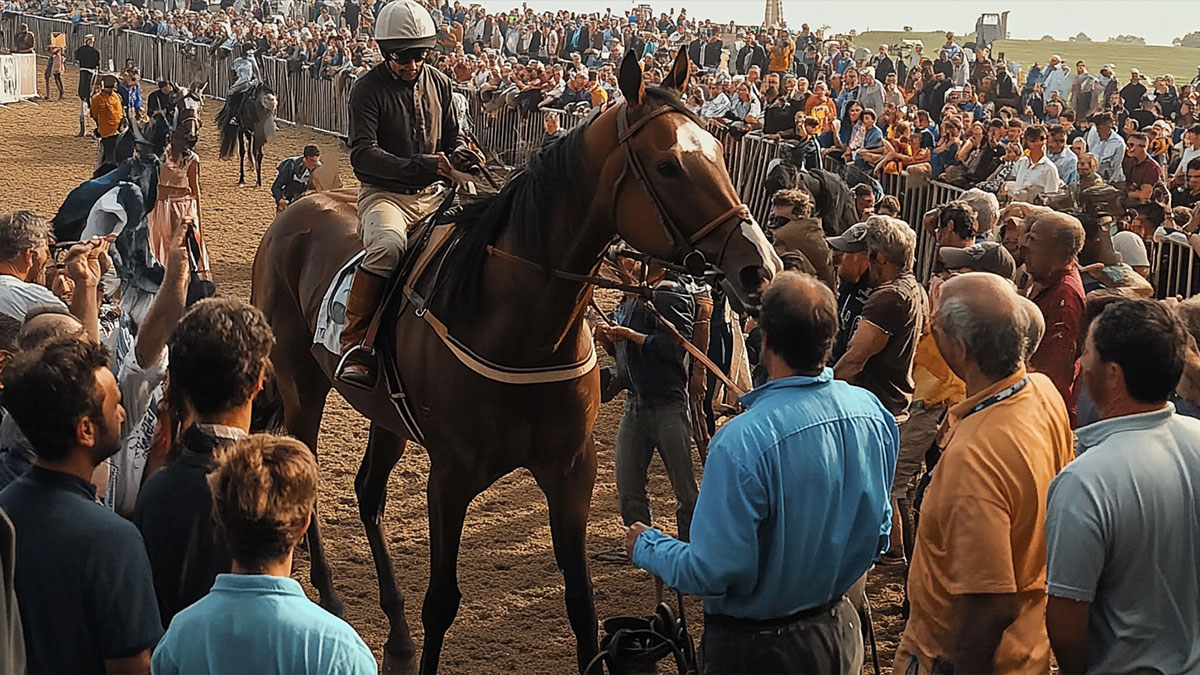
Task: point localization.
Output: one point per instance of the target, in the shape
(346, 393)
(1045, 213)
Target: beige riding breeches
(384, 219)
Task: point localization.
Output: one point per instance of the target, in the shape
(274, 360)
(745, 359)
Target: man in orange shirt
(105, 108)
(978, 578)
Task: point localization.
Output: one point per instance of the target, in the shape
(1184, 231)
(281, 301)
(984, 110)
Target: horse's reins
(694, 261)
(693, 258)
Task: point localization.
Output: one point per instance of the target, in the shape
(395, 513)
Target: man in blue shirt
(1063, 157)
(257, 619)
(793, 508)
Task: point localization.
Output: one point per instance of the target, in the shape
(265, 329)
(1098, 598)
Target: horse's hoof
(398, 665)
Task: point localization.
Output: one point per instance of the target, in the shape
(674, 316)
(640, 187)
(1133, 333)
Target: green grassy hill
(1150, 60)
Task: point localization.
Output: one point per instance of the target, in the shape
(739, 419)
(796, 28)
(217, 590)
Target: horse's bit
(692, 257)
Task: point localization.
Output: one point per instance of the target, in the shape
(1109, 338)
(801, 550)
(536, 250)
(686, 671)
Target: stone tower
(774, 13)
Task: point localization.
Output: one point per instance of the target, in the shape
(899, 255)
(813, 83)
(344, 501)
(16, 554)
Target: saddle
(411, 289)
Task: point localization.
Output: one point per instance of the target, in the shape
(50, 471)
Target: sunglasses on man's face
(409, 55)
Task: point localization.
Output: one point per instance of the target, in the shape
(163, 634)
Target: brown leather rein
(694, 261)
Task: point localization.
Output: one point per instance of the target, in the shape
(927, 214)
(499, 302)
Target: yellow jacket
(106, 110)
(781, 57)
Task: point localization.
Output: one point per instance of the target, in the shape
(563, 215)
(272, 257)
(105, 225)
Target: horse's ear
(630, 79)
(677, 79)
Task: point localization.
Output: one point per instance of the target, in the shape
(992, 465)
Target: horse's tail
(266, 414)
(227, 130)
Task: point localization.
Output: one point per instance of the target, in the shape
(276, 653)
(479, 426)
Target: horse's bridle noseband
(692, 257)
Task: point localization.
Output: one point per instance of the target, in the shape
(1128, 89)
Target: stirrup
(355, 379)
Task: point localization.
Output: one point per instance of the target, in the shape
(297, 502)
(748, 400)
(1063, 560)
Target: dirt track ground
(512, 617)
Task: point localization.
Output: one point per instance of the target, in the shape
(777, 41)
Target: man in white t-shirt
(1035, 173)
(24, 252)
(1190, 150)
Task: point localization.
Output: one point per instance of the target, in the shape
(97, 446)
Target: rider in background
(294, 177)
(245, 69)
(162, 99)
(402, 124)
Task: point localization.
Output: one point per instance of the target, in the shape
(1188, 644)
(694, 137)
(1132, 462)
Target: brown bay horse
(644, 171)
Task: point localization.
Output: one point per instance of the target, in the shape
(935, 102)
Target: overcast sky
(1156, 20)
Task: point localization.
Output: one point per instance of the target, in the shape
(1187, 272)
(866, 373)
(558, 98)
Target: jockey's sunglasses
(405, 56)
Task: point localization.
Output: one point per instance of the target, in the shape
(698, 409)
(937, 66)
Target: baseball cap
(853, 240)
(986, 257)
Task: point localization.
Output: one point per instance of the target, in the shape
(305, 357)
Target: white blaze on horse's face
(753, 232)
(689, 137)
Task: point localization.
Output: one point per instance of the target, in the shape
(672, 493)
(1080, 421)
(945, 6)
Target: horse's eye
(670, 169)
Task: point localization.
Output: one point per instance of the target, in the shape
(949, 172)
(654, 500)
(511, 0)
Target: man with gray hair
(977, 584)
(24, 252)
(879, 357)
(986, 206)
(870, 91)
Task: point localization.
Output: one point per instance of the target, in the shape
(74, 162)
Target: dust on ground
(512, 617)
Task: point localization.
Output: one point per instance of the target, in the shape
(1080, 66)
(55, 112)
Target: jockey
(245, 70)
(402, 126)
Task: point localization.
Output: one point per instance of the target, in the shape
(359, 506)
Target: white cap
(406, 24)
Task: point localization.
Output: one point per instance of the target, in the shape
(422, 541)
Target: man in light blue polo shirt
(794, 506)
(1123, 519)
(257, 619)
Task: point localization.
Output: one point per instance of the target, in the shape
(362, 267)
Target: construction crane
(774, 13)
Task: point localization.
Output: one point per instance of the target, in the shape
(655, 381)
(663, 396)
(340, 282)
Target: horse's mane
(525, 205)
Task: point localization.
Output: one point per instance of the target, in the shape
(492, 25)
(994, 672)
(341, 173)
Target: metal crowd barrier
(512, 136)
(1173, 268)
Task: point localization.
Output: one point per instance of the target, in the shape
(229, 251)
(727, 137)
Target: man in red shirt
(1053, 241)
(1142, 172)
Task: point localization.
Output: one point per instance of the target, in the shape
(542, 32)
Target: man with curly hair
(257, 618)
(217, 361)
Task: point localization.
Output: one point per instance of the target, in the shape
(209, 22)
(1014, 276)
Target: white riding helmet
(404, 24)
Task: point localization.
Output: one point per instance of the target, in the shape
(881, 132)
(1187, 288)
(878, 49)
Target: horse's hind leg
(449, 494)
(569, 496)
(242, 159)
(304, 388)
(384, 449)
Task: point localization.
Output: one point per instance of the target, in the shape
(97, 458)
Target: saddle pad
(331, 317)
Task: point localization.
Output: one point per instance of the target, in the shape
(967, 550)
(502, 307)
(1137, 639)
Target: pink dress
(174, 204)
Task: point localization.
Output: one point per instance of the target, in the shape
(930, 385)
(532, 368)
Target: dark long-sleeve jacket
(396, 128)
(291, 180)
(657, 369)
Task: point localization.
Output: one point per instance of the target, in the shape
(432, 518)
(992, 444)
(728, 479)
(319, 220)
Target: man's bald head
(1036, 328)
(981, 316)
(1053, 241)
(799, 321)
(45, 323)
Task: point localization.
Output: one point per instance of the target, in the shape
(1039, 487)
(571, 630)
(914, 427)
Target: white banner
(8, 79)
(18, 77)
(27, 75)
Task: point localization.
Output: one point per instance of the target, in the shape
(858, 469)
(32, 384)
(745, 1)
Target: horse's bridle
(681, 242)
